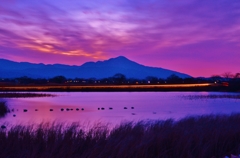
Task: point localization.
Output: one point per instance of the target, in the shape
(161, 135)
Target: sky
(197, 37)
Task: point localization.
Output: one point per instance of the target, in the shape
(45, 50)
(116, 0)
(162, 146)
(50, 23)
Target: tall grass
(3, 109)
(191, 137)
(24, 95)
(212, 96)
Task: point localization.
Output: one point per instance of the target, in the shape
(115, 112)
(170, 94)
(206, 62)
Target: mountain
(99, 69)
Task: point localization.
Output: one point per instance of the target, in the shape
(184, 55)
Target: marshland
(197, 136)
(119, 79)
(120, 124)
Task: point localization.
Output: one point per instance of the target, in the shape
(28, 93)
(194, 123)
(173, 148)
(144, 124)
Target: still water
(118, 106)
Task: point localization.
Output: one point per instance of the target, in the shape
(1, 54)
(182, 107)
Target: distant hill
(99, 70)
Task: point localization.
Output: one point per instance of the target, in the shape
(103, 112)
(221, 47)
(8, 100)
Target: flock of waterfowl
(77, 109)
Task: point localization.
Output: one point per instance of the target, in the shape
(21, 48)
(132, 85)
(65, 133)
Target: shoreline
(24, 95)
(117, 88)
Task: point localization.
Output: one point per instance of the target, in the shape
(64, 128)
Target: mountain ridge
(98, 70)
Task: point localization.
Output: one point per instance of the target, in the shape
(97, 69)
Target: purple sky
(197, 37)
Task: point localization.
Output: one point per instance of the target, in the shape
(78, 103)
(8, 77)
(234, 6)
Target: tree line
(122, 79)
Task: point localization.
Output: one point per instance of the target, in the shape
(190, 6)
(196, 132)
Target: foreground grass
(200, 136)
(3, 109)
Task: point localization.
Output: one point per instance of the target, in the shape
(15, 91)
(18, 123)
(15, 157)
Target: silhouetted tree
(227, 75)
(106, 80)
(234, 82)
(92, 80)
(133, 81)
(216, 78)
(174, 79)
(119, 78)
(25, 80)
(58, 79)
(161, 80)
(237, 76)
(152, 79)
(40, 81)
(190, 80)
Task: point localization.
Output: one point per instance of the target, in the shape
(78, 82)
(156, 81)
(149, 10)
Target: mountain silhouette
(98, 70)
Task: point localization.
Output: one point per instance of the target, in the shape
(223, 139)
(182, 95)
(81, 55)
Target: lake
(114, 107)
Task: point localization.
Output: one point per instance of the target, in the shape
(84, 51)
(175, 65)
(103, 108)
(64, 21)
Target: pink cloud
(171, 34)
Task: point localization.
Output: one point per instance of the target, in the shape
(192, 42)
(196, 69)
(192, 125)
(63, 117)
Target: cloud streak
(157, 33)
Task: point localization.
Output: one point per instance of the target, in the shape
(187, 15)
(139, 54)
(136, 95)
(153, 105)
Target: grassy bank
(196, 137)
(23, 95)
(3, 109)
(111, 88)
(212, 96)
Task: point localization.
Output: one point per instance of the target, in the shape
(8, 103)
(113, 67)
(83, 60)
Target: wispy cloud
(153, 32)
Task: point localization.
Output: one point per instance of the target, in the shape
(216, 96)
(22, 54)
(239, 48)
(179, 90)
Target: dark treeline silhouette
(227, 79)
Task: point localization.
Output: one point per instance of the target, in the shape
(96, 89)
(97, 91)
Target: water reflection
(115, 107)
